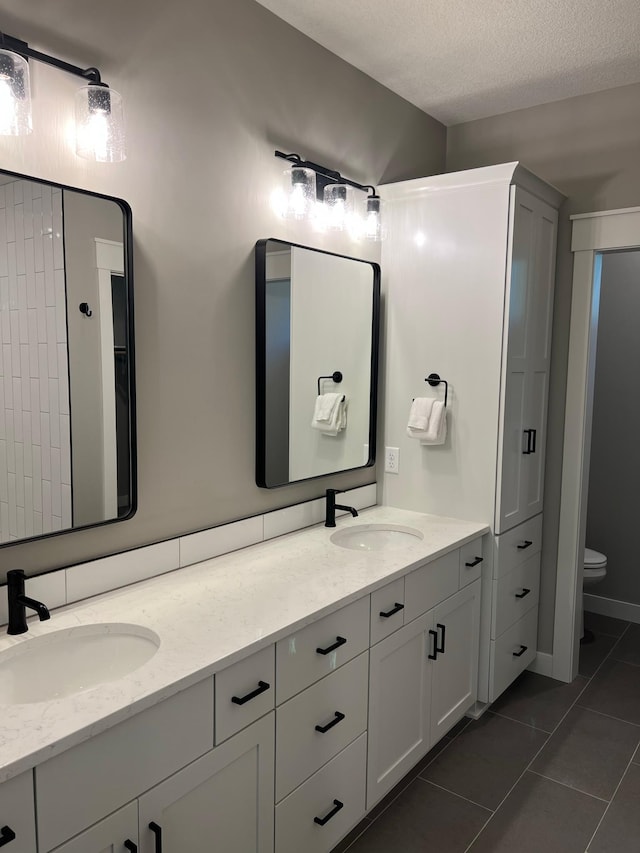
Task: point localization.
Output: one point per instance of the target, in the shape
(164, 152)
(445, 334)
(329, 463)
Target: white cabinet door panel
(115, 834)
(17, 814)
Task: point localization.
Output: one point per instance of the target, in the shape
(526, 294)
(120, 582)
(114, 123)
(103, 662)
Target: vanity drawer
(340, 788)
(506, 661)
(515, 594)
(319, 648)
(387, 610)
(88, 781)
(245, 692)
(517, 545)
(337, 703)
(18, 814)
(429, 585)
(471, 559)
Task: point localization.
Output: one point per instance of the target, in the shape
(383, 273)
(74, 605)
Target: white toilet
(595, 570)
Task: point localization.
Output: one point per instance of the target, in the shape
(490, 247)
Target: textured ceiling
(466, 59)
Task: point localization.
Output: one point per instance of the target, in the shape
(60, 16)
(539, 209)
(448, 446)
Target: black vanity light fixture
(326, 197)
(98, 109)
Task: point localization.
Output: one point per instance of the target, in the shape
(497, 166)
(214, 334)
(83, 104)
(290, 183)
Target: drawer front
(387, 610)
(339, 788)
(121, 763)
(245, 692)
(471, 559)
(431, 584)
(517, 545)
(17, 813)
(337, 704)
(515, 594)
(315, 651)
(108, 836)
(506, 661)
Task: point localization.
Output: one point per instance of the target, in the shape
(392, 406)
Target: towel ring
(336, 377)
(434, 380)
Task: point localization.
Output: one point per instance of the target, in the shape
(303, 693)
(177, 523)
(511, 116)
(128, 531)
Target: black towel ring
(336, 377)
(434, 380)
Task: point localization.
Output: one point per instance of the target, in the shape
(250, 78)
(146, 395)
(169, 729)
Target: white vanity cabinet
(423, 679)
(17, 815)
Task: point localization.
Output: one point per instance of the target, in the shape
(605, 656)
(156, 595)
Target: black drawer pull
(474, 562)
(526, 544)
(240, 700)
(340, 641)
(527, 433)
(157, 831)
(440, 649)
(322, 820)
(6, 835)
(395, 609)
(519, 654)
(129, 845)
(434, 656)
(525, 592)
(338, 717)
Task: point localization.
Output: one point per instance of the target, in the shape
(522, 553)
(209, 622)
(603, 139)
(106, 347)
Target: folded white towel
(326, 406)
(338, 419)
(420, 413)
(437, 431)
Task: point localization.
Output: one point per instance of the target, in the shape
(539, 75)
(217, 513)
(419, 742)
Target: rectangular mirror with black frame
(317, 322)
(67, 403)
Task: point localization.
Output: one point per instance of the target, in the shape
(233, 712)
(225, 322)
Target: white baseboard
(542, 665)
(611, 607)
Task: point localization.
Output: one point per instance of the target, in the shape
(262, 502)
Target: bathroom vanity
(295, 682)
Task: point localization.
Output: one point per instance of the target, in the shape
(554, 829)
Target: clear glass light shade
(338, 203)
(299, 193)
(373, 218)
(100, 124)
(15, 95)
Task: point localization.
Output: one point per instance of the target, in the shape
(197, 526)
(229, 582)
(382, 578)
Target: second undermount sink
(375, 537)
(67, 662)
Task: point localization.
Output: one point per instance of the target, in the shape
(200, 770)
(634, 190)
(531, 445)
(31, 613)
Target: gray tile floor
(550, 767)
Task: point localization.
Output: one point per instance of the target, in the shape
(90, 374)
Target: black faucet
(332, 506)
(18, 603)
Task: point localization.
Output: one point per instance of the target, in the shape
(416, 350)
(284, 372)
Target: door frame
(593, 234)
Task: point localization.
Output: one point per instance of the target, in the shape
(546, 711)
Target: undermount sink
(375, 537)
(73, 660)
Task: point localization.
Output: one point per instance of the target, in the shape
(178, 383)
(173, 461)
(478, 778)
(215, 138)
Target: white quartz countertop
(211, 615)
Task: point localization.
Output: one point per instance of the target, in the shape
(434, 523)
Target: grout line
(571, 787)
(357, 838)
(609, 716)
(562, 719)
(459, 796)
(627, 662)
(513, 720)
(609, 804)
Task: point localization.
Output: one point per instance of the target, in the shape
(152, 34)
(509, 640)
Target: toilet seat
(594, 559)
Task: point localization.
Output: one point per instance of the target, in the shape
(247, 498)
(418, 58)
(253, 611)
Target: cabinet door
(527, 343)
(117, 833)
(223, 801)
(17, 816)
(399, 703)
(454, 680)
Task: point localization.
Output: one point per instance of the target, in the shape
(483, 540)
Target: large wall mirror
(317, 318)
(67, 425)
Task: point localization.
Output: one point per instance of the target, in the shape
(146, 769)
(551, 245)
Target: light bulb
(339, 204)
(15, 95)
(99, 124)
(301, 192)
(373, 218)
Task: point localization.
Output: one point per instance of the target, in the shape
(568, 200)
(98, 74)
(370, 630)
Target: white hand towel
(420, 413)
(326, 406)
(437, 431)
(338, 420)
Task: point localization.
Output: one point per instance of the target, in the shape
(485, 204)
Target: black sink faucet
(332, 506)
(18, 603)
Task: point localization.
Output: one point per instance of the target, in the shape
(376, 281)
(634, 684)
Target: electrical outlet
(391, 460)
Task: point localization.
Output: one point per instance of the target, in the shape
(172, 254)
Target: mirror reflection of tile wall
(35, 446)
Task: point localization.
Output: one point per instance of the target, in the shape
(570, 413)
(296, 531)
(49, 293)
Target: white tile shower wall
(87, 579)
(35, 446)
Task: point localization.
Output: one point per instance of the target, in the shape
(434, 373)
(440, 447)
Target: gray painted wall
(211, 88)
(614, 499)
(588, 147)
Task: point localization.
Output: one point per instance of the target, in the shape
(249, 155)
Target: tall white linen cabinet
(468, 269)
